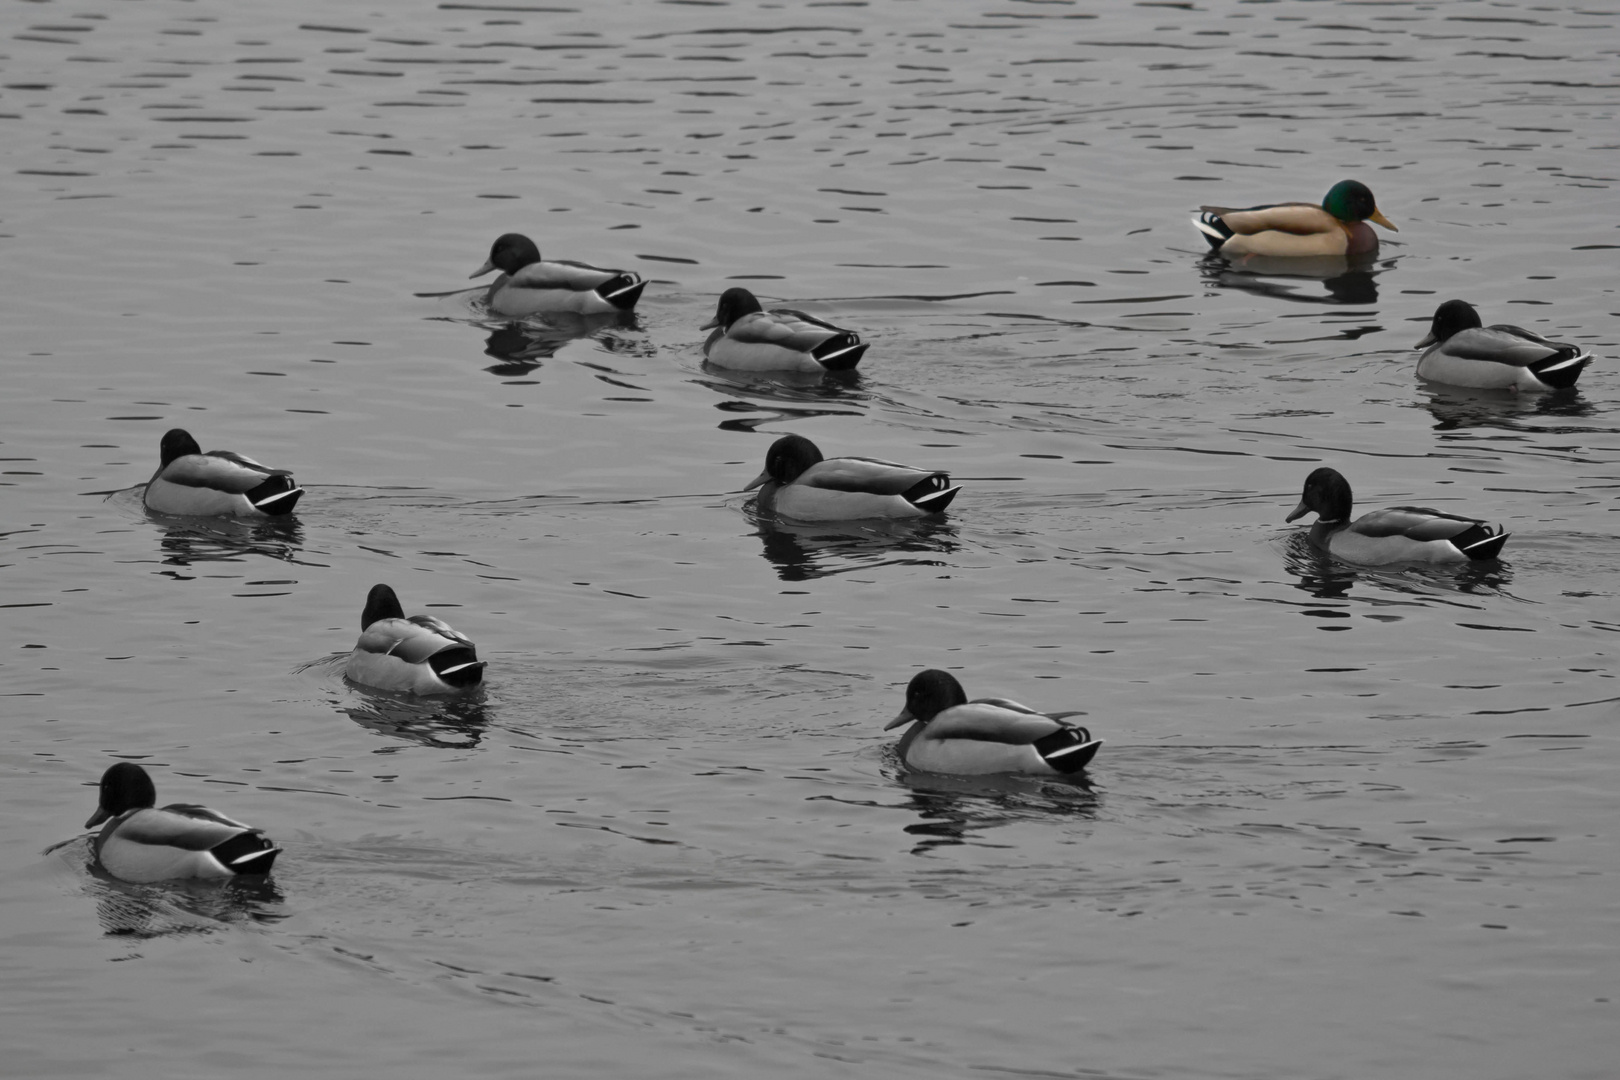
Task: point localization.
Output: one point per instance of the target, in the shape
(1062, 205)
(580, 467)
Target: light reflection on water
(670, 830)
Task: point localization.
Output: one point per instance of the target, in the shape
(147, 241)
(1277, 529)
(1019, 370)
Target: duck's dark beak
(490, 265)
(711, 324)
(1299, 511)
(905, 717)
(758, 481)
(98, 817)
(1428, 339)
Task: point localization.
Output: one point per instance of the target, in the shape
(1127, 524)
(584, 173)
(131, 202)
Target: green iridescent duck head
(1351, 201)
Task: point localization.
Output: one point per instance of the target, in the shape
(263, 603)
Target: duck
(529, 285)
(951, 734)
(1398, 534)
(1462, 351)
(1337, 227)
(799, 483)
(219, 483)
(418, 655)
(748, 338)
(140, 842)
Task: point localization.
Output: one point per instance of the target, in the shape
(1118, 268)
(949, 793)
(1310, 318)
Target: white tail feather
(278, 497)
(923, 500)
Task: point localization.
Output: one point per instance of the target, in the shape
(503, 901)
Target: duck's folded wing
(1415, 523)
(441, 629)
(989, 722)
(795, 318)
(561, 274)
(1503, 344)
(863, 474)
(414, 640)
(783, 328)
(1006, 703)
(1300, 218)
(182, 825)
(219, 469)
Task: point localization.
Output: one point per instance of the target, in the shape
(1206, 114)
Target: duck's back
(218, 483)
(1295, 229)
(1411, 534)
(415, 655)
(1289, 217)
(783, 340)
(871, 475)
(560, 285)
(1502, 357)
(986, 736)
(413, 640)
(180, 841)
(851, 488)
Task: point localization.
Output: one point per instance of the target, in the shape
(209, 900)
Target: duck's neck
(1324, 528)
(1359, 237)
(908, 738)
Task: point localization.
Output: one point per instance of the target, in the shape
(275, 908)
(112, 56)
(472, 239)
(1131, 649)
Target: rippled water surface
(1346, 823)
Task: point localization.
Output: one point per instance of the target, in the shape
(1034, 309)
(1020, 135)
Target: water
(1346, 822)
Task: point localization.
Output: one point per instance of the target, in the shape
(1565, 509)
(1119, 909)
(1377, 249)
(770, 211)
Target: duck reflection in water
(1326, 578)
(519, 348)
(801, 551)
(957, 810)
(229, 540)
(1454, 407)
(187, 906)
(457, 724)
(522, 346)
(1346, 280)
(1319, 573)
(786, 387)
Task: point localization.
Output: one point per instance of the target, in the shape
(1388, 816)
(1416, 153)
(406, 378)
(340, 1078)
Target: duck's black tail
(622, 291)
(248, 852)
(459, 667)
(1481, 542)
(1068, 749)
(932, 495)
(1563, 369)
(840, 352)
(1214, 229)
(276, 496)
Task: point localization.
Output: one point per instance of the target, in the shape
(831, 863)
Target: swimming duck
(1463, 351)
(799, 483)
(748, 338)
(990, 735)
(217, 483)
(1337, 227)
(529, 285)
(142, 843)
(418, 655)
(1399, 534)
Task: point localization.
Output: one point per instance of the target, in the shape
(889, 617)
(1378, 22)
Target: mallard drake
(799, 483)
(531, 286)
(991, 735)
(1463, 351)
(217, 483)
(748, 338)
(142, 843)
(418, 655)
(1398, 534)
(1337, 227)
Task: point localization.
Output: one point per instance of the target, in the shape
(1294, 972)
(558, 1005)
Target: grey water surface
(1346, 823)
